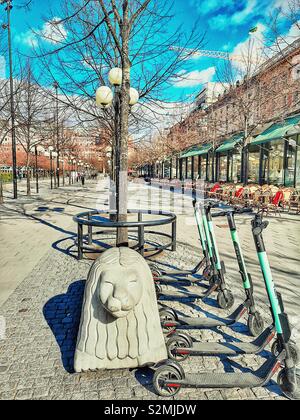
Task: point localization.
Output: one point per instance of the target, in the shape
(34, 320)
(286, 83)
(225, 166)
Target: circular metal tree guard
(98, 219)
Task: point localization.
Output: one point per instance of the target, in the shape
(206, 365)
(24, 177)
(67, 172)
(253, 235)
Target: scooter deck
(195, 293)
(173, 278)
(168, 294)
(207, 322)
(233, 380)
(233, 348)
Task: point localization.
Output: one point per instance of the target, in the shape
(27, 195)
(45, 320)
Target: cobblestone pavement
(42, 317)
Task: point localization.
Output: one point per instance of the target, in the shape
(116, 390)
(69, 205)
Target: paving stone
(41, 341)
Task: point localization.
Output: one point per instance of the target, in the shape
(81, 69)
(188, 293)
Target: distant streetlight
(56, 86)
(37, 149)
(51, 154)
(12, 105)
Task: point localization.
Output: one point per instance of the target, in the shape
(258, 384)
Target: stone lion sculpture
(120, 324)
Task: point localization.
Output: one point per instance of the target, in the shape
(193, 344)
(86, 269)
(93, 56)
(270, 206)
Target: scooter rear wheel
(178, 341)
(276, 350)
(158, 290)
(165, 316)
(225, 299)
(166, 374)
(256, 324)
(289, 384)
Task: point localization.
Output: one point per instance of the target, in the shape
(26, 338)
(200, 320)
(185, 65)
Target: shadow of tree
(62, 314)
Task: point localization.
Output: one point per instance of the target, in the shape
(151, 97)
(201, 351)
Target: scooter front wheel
(158, 290)
(162, 381)
(289, 381)
(225, 299)
(165, 316)
(256, 324)
(176, 342)
(276, 349)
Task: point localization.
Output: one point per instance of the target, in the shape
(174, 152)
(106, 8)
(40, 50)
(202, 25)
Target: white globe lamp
(134, 96)
(104, 96)
(115, 76)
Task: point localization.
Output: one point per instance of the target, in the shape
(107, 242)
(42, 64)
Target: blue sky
(226, 22)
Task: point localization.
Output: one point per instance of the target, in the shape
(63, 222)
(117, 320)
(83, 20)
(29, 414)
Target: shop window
(276, 159)
(189, 168)
(298, 163)
(223, 168)
(209, 168)
(235, 168)
(183, 168)
(203, 168)
(290, 162)
(253, 167)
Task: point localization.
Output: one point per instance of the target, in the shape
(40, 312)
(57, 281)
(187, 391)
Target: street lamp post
(51, 154)
(56, 86)
(37, 149)
(105, 97)
(12, 105)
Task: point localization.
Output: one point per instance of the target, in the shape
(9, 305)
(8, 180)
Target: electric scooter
(225, 297)
(160, 275)
(169, 376)
(171, 322)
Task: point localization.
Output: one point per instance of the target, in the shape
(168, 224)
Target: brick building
(251, 133)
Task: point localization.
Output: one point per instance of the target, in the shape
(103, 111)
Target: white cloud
(28, 38)
(194, 78)
(209, 6)
(53, 31)
(223, 20)
(239, 17)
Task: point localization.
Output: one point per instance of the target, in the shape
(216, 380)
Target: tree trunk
(1, 191)
(122, 147)
(28, 176)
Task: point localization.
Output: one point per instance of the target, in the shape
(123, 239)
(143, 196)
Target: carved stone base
(120, 325)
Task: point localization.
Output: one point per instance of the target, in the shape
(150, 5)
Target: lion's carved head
(120, 325)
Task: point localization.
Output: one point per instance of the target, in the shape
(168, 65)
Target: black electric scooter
(171, 322)
(225, 297)
(169, 376)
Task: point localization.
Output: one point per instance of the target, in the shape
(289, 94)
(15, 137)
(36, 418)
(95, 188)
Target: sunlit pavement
(44, 284)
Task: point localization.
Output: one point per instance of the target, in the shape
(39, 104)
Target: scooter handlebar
(258, 224)
(233, 211)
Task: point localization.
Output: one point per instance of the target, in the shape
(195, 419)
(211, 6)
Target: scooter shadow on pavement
(62, 313)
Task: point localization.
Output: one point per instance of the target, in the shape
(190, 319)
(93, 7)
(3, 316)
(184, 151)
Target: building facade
(251, 134)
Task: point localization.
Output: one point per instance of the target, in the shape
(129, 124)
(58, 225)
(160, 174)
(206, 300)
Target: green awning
(277, 131)
(230, 144)
(196, 151)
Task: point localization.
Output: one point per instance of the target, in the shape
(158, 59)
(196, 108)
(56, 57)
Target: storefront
(229, 160)
(193, 162)
(274, 156)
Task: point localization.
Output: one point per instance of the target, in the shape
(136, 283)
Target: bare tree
(94, 36)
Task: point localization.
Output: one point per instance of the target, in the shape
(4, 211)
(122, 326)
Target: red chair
(275, 204)
(213, 192)
(238, 196)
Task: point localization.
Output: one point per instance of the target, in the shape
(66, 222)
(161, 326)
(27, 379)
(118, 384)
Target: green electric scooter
(169, 376)
(171, 322)
(225, 297)
(193, 275)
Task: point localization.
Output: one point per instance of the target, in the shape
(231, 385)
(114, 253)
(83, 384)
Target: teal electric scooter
(169, 376)
(171, 322)
(217, 283)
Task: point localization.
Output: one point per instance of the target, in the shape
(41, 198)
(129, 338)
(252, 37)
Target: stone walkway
(42, 317)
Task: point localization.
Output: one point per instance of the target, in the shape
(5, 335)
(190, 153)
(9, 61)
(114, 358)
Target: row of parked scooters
(169, 376)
